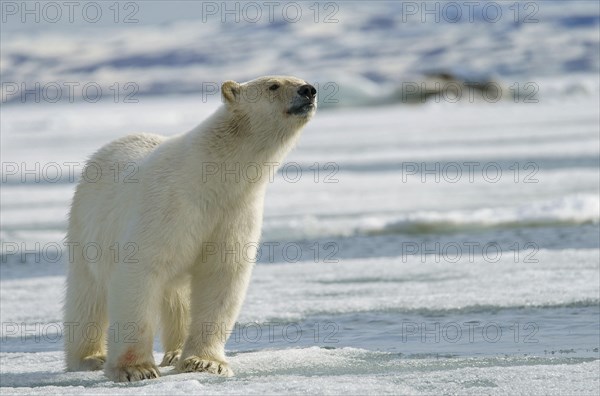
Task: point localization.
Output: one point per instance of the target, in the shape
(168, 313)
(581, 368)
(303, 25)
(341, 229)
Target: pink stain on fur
(128, 358)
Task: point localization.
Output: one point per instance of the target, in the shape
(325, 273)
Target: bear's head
(275, 102)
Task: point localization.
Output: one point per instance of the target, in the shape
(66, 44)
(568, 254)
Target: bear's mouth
(301, 109)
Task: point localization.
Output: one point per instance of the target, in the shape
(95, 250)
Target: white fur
(154, 212)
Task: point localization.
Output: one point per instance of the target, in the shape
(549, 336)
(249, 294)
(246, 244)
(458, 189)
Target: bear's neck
(231, 140)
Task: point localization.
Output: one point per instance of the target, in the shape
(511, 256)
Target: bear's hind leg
(85, 320)
(174, 321)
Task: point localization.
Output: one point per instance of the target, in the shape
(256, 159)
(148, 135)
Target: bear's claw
(137, 372)
(171, 358)
(92, 363)
(196, 364)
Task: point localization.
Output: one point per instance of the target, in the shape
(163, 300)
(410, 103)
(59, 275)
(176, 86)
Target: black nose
(307, 90)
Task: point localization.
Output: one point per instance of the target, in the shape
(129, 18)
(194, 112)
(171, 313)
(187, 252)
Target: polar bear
(147, 219)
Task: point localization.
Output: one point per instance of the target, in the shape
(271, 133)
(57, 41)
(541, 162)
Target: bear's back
(128, 149)
(105, 192)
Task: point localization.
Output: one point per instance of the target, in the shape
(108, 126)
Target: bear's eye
(274, 87)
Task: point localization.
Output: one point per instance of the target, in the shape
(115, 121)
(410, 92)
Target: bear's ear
(230, 90)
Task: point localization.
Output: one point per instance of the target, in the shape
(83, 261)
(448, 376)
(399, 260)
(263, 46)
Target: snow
(321, 371)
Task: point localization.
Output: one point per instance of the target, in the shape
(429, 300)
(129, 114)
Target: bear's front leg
(218, 290)
(133, 304)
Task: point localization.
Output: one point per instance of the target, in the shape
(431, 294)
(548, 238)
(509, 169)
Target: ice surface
(372, 173)
(322, 371)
